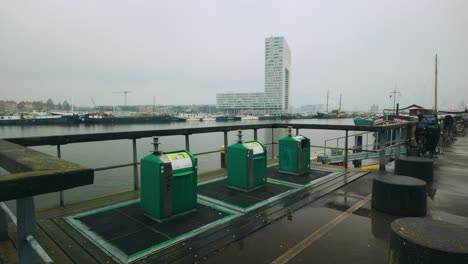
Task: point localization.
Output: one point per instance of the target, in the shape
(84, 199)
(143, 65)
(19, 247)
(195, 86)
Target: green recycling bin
(247, 165)
(294, 154)
(168, 184)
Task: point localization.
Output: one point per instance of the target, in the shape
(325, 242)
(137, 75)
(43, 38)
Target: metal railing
(25, 206)
(41, 253)
(343, 137)
(60, 140)
(392, 140)
(32, 173)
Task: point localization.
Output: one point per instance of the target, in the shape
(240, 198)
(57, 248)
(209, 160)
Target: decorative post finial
(156, 145)
(290, 131)
(239, 136)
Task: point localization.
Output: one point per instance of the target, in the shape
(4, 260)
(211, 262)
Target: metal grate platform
(127, 234)
(304, 179)
(219, 193)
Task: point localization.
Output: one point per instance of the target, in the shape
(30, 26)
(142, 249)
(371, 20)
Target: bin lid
(256, 146)
(179, 160)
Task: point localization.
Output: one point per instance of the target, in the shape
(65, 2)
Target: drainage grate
(304, 179)
(218, 190)
(126, 233)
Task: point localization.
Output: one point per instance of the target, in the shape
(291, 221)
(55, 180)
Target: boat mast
(328, 91)
(340, 104)
(394, 93)
(435, 86)
(73, 105)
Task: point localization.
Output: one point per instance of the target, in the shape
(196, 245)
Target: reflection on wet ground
(363, 236)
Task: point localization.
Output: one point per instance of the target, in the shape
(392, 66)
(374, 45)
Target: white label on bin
(180, 160)
(299, 138)
(257, 147)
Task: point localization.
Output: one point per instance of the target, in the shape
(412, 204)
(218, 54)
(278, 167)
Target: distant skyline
(184, 52)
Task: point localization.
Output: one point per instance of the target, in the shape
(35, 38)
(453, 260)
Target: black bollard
(399, 195)
(420, 168)
(423, 240)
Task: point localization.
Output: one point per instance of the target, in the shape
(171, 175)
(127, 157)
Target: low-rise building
(8, 107)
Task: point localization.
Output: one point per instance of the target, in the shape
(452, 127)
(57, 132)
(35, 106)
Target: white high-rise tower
(277, 64)
(275, 99)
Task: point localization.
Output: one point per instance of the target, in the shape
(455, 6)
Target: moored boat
(208, 118)
(249, 117)
(23, 120)
(110, 119)
(359, 121)
(228, 118)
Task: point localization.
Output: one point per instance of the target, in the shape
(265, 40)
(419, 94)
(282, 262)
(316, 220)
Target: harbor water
(108, 153)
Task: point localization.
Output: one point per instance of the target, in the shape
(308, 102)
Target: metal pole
(187, 143)
(337, 150)
(382, 150)
(435, 86)
(367, 141)
(376, 141)
(346, 151)
(272, 144)
(397, 142)
(41, 253)
(136, 180)
(3, 226)
(61, 194)
(358, 147)
(225, 148)
(255, 134)
(26, 226)
(297, 131)
(409, 139)
(391, 137)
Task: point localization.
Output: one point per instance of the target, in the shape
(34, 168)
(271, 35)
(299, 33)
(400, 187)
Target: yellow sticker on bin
(180, 160)
(256, 146)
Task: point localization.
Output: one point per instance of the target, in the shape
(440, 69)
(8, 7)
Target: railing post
(391, 137)
(407, 139)
(382, 150)
(272, 144)
(346, 150)
(255, 134)
(26, 226)
(337, 151)
(367, 141)
(358, 147)
(3, 226)
(225, 148)
(136, 180)
(61, 194)
(187, 143)
(397, 142)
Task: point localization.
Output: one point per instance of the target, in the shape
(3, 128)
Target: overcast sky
(184, 52)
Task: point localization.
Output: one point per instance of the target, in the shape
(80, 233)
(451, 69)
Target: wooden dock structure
(64, 244)
(54, 240)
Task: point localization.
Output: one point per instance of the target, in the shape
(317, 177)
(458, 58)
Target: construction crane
(125, 95)
(92, 100)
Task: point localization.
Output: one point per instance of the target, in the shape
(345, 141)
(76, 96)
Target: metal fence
(60, 140)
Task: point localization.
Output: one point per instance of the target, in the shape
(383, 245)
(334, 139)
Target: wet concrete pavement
(361, 237)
